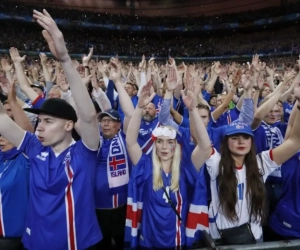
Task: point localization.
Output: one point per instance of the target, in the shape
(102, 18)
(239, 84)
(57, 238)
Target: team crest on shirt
(67, 158)
(42, 156)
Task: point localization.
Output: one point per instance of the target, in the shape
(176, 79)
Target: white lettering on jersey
(42, 156)
(287, 224)
(165, 196)
(28, 231)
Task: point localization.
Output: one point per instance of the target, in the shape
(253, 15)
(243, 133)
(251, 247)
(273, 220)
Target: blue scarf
(9, 155)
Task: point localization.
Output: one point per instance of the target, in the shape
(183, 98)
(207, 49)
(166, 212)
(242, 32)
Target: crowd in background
(94, 16)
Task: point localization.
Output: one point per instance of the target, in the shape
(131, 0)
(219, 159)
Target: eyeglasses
(106, 121)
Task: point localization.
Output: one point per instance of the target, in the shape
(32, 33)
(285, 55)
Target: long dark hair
(227, 182)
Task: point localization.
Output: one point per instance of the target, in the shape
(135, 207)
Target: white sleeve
(212, 164)
(266, 164)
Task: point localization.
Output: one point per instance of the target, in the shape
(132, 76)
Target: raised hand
(43, 58)
(6, 66)
(288, 76)
(86, 59)
(189, 99)
(236, 78)
(15, 56)
(115, 70)
(62, 83)
(52, 35)
(145, 96)
(246, 81)
(172, 80)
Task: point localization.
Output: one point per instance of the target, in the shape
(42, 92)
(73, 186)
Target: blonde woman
(161, 185)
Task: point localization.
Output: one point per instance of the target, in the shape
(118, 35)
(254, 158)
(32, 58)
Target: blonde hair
(175, 169)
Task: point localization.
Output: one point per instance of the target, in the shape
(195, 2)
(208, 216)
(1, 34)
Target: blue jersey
(106, 197)
(157, 212)
(287, 110)
(61, 212)
(145, 133)
(157, 102)
(286, 218)
(14, 191)
(226, 118)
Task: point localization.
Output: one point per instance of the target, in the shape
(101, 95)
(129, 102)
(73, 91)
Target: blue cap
(112, 113)
(238, 128)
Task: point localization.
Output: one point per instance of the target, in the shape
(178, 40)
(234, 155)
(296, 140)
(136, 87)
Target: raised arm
(265, 108)
(125, 101)
(9, 129)
(46, 73)
(203, 149)
(164, 114)
(292, 145)
(18, 113)
(134, 149)
(222, 108)
(85, 108)
(22, 80)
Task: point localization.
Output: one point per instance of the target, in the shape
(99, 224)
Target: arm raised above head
(9, 129)
(85, 108)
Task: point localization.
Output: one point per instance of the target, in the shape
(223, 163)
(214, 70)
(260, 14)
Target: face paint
(173, 148)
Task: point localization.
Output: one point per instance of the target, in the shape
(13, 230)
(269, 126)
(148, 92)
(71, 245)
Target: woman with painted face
(159, 186)
(237, 178)
(14, 181)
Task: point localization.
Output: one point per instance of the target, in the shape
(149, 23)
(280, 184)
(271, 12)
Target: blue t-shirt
(157, 102)
(226, 118)
(145, 132)
(61, 211)
(287, 110)
(157, 212)
(14, 191)
(106, 197)
(286, 218)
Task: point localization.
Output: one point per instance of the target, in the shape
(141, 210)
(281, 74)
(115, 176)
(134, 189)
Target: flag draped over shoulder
(197, 220)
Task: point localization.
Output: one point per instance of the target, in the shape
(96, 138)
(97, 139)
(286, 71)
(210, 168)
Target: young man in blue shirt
(61, 213)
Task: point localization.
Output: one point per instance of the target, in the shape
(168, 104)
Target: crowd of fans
(146, 155)
(184, 20)
(26, 37)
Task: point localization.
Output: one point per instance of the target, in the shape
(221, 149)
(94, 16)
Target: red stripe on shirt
(1, 218)
(178, 233)
(70, 209)
(271, 154)
(37, 99)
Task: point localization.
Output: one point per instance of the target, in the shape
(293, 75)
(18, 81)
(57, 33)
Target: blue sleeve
(216, 136)
(81, 149)
(30, 145)
(110, 92)
(142, 170)
(282, 127)
(247, 111)
(260, 140)
(164, 114)
(38, 102)
(185, 122)
(134, 100)
(206, 95)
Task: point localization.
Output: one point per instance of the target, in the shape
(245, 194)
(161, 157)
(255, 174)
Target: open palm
(145, 96)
